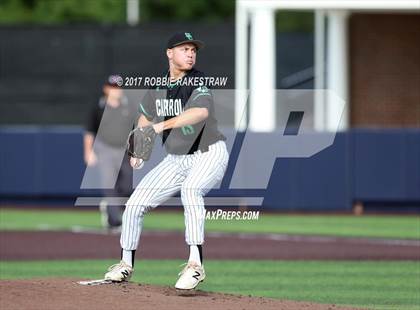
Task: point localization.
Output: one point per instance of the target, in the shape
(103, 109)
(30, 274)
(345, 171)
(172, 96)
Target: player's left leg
(156, 186)
(206, 170)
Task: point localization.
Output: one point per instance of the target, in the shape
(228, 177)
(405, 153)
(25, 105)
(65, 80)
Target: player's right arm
(89, 155)
(91, 128)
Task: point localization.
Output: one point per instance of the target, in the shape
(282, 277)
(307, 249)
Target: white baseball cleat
(190, 276)
(119, 272)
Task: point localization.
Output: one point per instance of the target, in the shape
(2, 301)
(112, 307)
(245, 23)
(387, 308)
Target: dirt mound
(66, 294)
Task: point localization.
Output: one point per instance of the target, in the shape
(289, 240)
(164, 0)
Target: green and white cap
(183, 38)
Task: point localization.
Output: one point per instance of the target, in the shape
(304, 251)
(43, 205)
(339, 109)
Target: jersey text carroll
(169, 107)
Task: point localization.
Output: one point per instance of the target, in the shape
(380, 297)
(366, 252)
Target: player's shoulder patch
(202, 89)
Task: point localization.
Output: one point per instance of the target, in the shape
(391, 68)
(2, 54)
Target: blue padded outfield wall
(364, 165)
(41, 161)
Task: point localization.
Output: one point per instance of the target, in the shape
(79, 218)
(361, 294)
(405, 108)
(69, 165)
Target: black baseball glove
(140, 142)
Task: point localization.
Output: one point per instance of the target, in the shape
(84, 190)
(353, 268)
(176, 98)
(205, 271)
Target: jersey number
(187, 130)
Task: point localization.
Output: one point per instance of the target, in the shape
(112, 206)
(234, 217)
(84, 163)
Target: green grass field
(332, 225)
(378, 285)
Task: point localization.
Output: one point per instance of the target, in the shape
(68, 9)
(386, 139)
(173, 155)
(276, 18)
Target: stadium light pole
(319, 64)
(262, 71)
(337, 77)
(133, 12)
(241, 65)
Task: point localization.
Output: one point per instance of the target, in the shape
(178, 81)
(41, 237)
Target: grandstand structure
(343, 30)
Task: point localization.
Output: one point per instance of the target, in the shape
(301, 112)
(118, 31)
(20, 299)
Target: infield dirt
(36, 245)
(66, 294)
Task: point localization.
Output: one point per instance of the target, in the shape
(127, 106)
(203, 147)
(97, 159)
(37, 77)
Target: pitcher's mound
(67, 294)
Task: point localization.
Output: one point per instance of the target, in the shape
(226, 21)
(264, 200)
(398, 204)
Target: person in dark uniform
(107, 125)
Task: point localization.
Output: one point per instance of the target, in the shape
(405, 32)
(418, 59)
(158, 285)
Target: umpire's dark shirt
(111, 125)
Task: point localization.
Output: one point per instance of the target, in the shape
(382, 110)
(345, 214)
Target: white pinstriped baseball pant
(194, 175)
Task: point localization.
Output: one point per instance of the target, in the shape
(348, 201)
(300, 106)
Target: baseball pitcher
(183, 115)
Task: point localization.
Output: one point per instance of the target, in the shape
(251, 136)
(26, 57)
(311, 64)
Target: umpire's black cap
(182, 38)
